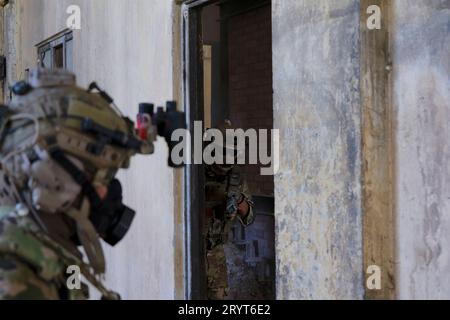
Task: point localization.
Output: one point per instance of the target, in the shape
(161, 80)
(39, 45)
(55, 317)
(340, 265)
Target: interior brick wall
(250, 81)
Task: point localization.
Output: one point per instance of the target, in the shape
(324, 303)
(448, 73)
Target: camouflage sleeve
(19, 282)
(248, 220)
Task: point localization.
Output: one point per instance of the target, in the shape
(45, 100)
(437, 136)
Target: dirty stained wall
(317, 109)
(126, 46)
(421, 61)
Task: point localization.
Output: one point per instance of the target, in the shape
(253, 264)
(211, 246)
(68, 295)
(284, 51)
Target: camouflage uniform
(33, 266)
(217, 226)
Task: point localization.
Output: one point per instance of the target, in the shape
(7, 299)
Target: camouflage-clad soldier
(225, 187)
(61, 147)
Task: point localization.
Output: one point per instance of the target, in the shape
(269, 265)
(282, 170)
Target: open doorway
(228, 61)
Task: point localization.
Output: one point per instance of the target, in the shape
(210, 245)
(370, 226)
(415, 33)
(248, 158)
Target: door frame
(192, 93)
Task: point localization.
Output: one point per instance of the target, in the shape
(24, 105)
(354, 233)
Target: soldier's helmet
(231, 148)
(58, 142)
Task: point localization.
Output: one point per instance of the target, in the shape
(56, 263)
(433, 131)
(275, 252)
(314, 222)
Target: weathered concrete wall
(318, 189)
(126, 46)
(422, 98)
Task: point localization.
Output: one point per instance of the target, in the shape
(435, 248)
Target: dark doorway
(228, 60)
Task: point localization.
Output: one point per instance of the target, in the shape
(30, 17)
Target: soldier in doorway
(227, 200)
